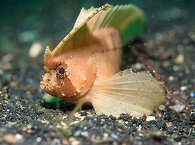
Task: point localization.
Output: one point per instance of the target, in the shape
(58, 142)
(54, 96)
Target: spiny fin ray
(127, 19)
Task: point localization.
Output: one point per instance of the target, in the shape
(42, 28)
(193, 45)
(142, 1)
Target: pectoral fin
(128, 92)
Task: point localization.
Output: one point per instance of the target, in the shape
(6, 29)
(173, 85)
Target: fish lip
(42, 85)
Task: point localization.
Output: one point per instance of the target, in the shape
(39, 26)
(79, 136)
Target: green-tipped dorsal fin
(127, 19)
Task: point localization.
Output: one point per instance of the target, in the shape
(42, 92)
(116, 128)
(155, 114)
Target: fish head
(67, 77)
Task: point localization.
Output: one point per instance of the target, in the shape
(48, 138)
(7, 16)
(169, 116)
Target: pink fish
(84, 67)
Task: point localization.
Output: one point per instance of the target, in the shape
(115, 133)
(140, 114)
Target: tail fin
(128, 92)
(127, 19)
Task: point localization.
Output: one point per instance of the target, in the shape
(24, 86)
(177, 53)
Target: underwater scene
(91, 72)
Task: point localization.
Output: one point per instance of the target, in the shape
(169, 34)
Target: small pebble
(179, 59)
(192, 94)
(10, 138)
(139, 128)
(73, 141)
(64, 142)
(171, 78)
(35, 50)
(11, 123)
(105, 135)
(55, 141)
(162, 107)
(178, 107)
(183, 88)
(19, 136)
(159, 37)
(138, 66)
(150, 118)
(85, 134)
(38, 139)
(115, 137)
(166, 63)
(77, 133)
(176, 68)
(169, 124)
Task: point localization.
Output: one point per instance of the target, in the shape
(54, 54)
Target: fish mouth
(48, 88)
(45, 86)
(42, 85)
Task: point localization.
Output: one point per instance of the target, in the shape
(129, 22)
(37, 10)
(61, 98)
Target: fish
(84, 68)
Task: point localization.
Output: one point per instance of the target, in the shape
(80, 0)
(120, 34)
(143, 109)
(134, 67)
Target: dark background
(48, 21)
(26, 117)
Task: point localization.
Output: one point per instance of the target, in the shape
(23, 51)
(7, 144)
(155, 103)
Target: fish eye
(60, 72)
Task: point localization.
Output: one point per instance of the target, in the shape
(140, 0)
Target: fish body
(85, 64)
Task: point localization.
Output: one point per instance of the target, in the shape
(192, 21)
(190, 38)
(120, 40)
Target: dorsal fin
(80, 34)
(47, 54)
(128, 19)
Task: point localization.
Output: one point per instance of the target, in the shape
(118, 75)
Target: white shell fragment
(150, 118)
(35, 50)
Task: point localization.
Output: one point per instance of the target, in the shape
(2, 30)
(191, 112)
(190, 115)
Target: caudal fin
(128, 92)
